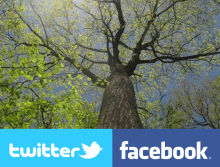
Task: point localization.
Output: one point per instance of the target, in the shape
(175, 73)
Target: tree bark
(119, 108)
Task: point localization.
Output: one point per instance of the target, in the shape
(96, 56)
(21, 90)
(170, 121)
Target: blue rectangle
(95, 148)
(136, 146)
(140, 148)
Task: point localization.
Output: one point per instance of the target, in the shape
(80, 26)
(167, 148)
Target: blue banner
(166, 148)
(117, 148)
(55, 148)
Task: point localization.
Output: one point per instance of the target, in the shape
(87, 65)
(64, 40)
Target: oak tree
(124, 47)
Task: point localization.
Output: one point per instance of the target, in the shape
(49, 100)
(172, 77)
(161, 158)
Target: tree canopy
(75, 46)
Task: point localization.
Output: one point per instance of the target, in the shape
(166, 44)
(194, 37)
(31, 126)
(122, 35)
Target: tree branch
(92, 49)
(118, 35)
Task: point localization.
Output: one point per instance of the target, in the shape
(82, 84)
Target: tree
(105, 44)
(199, 102)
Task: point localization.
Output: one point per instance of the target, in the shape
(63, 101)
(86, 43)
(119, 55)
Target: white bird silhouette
(91, 151)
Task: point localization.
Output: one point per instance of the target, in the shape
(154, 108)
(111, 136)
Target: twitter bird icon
(92, 151)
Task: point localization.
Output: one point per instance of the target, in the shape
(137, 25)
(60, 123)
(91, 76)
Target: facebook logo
(159, 153)
(161, 148)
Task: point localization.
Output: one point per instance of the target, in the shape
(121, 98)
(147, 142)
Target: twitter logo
(92, 151)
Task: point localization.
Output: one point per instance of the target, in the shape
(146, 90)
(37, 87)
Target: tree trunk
(119, 108)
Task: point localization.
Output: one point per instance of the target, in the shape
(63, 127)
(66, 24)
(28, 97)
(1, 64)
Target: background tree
(199, 102)
(104, 44)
